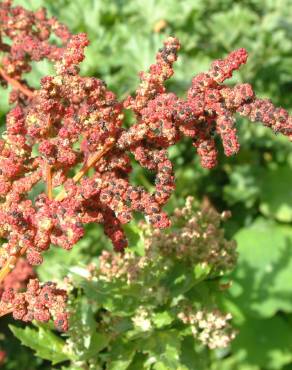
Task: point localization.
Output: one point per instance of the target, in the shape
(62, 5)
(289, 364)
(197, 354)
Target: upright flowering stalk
(74, 121)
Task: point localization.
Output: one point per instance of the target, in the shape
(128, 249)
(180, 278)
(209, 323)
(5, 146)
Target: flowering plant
(70, 135)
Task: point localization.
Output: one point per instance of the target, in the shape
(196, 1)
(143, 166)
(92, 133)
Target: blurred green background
(256, 185)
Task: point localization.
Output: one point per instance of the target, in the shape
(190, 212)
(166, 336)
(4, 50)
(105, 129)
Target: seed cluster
(212, 328)
(197, 237)
(29, 40)
(19, 277)
(74, 123)
(39, 302)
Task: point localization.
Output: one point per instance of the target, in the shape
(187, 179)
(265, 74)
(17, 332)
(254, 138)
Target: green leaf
(87, 342)
(265, 343)
(190, 355)
(243, 185)
(234, 362)
(117, 297)
(135, 237)
(276, 194)
(163, 349)
(121, 355)
(138, 362)
(161, 319)
(46, 344)
(181, 278)
(260, 286)
(201, 271)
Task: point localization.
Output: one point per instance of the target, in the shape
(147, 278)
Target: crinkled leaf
(120, 355)
(181, 278)
(163, 349)
(46, 344)
(87, 341)
(114, 296)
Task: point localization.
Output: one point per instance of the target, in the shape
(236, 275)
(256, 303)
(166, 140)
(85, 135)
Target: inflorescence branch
(76, 121)
(16, 84)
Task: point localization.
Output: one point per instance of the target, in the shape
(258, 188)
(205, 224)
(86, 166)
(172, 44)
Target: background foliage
(255, 185)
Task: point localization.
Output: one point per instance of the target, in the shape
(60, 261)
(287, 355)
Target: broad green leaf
(161, 319)
(243, 186)
(234, 362)
(261, 280)
(46, 344)
(192, 357)
(57, 262)
(135, 237)
(138, 362)
(201, 271)
(276, 194)
(163, 349)
(181, 278)
(266, 343)
(120, 355)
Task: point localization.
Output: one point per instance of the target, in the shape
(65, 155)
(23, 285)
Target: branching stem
(3, 313)
(49, 180)
(90, 163)
(16, 84)
(11, 262)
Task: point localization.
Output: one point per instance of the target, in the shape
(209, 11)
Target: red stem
(16, 84)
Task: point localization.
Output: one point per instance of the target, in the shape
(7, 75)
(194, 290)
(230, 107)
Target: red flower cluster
(76, 121)
(19, 277)
(39, 302)
(28, 35)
